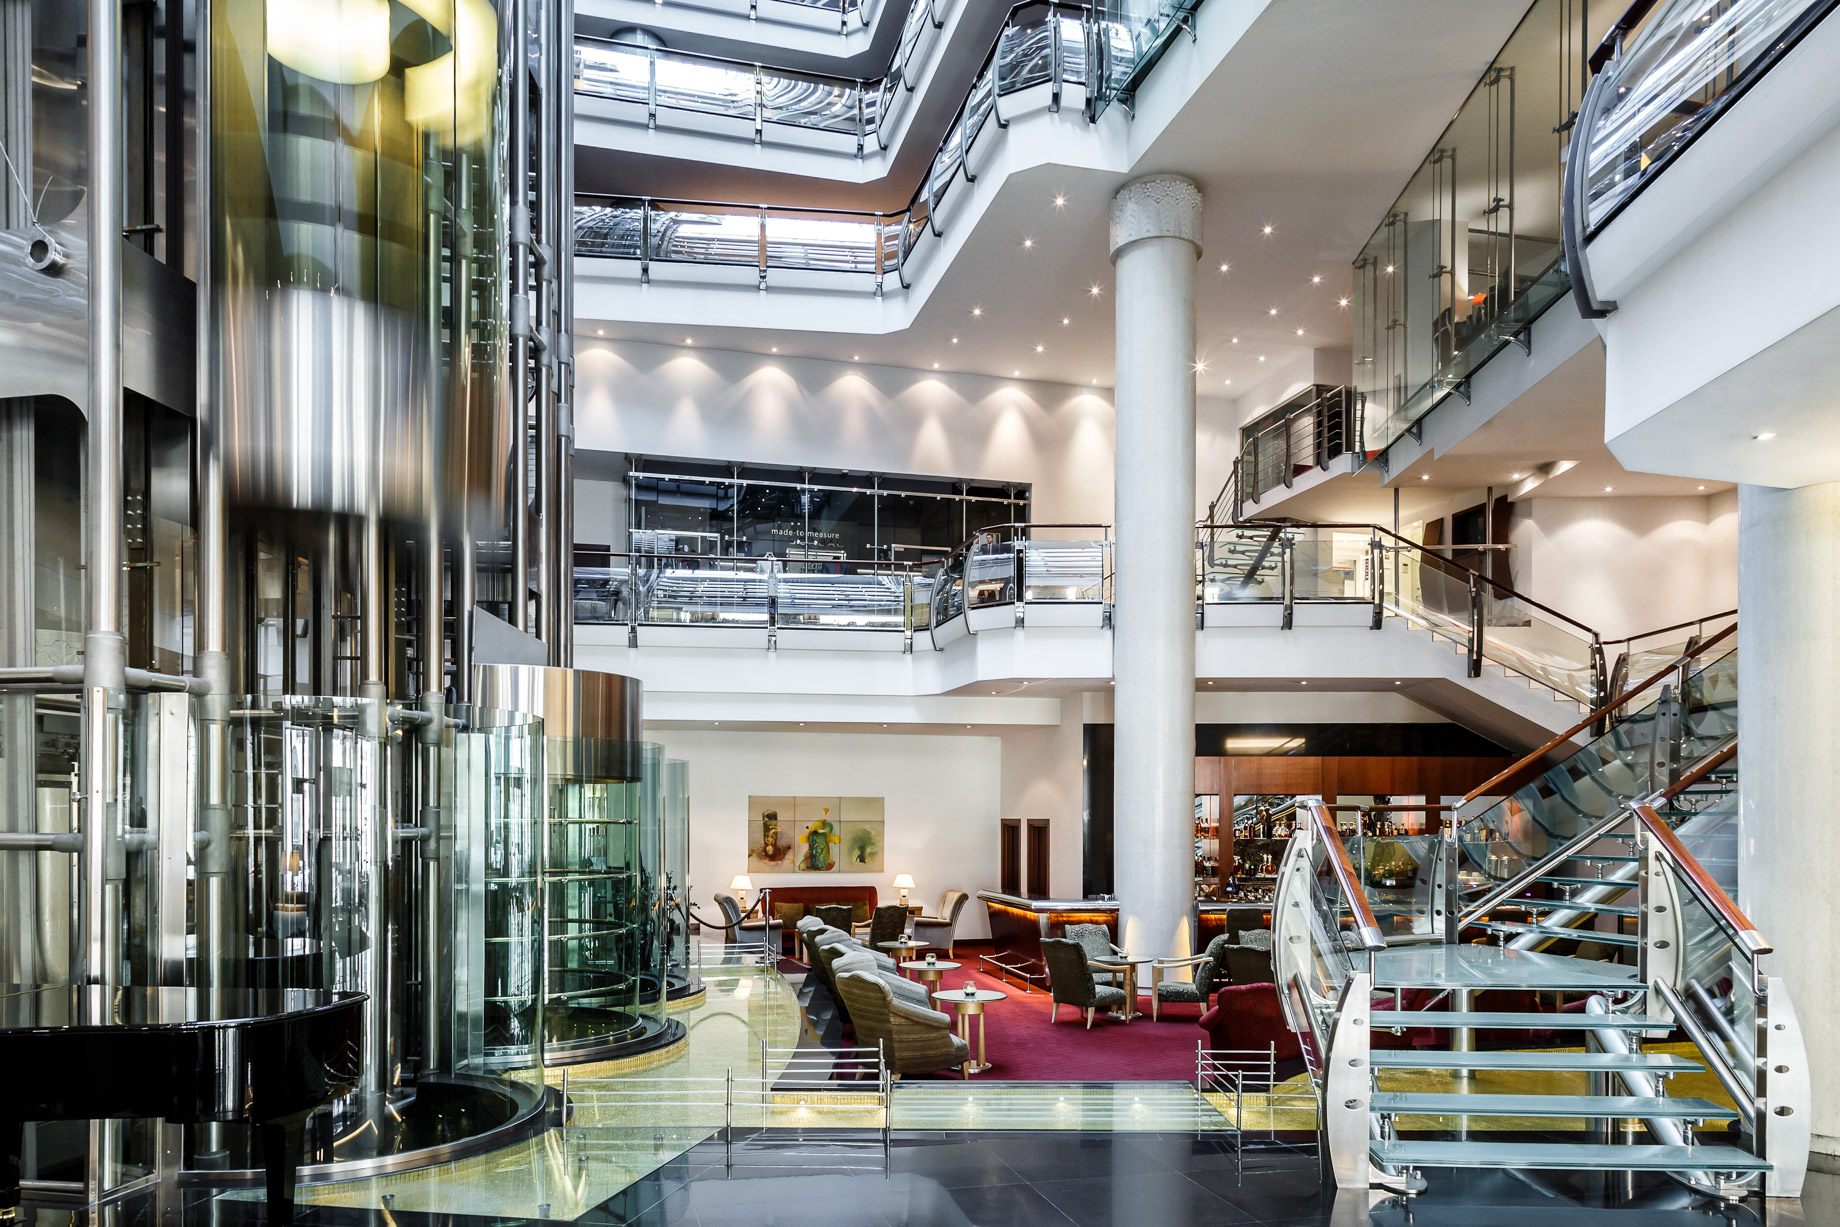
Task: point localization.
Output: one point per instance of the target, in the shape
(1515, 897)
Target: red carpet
(1022, 1046)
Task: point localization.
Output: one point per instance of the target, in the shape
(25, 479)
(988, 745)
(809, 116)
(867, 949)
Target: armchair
(837, 915)
(1096, 940)
(887, 924)
(942, 929)
(768, 931)
(1198, 989)
(1071, 980)
(914, 1039)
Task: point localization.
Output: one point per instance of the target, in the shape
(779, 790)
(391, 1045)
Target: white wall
(941, 802)
(1627, 565)
(1290, 707)
(1044, 777)
(668, 400)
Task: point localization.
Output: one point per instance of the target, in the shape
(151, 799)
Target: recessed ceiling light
(1065, 321)
(1389, 268)
(1300, 332)
(1608, 489)
(1515, 476)
(855, 357)
(1200, 366)
(1016, 374)
(688, 341)
(1424, 477)
(1316, 280)
(1059, 202)
(1225, 267)
(1273, 311)
(1028, 242)
(1229, 382)
(977, 310)
(935, 366)
(776, 349)
(1236, 340)
(955, 340)
(1095, 382)
(1039, 348)
(1764, 436)
(1702, 487)
(600, 332)
(1341, 302)
(1267, 227)
(1095, 291)
(1261, 357)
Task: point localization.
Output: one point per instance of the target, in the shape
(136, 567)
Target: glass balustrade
(1665, 735)
(1470, 252)
(1677, 72)
(1048, 47)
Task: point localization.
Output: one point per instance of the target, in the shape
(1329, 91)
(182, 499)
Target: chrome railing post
(862, 131)
(760, 104)
(645, 242)
(1376, 567)
(632, 601)
(651, 88)
(1287, 573)
(762, 249)
(1055, 58)
(1018, 576)
(1475, 626)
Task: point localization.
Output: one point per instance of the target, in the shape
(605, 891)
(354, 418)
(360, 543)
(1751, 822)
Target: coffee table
(1128, 965)
(905, 945)
(930, 974)
(968, 1004)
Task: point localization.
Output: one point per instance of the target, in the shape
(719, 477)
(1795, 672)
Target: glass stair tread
(1539, 1061)
(1615, 858)
(1480, 967)
(1557, 880)
(1562, 931)
(1566, 1156)
(1576, 905)
(1483, 1021)
(1617, 1107)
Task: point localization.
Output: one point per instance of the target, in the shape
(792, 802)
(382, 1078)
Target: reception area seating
(1198, 989)
(941, 927)
(888, 924)
(767, 930)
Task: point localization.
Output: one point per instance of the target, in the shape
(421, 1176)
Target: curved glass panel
(1674, 78)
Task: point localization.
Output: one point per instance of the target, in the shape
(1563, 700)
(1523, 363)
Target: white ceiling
(1312, 125)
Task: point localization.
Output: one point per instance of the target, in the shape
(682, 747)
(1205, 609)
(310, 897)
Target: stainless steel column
(544, 321)
(1155, 241)
(104, 647)
(517, 179)
(562, 648)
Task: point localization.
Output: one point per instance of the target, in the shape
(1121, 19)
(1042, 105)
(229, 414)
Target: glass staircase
(1573, 949)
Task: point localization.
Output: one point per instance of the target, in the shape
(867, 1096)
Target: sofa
(792, 904)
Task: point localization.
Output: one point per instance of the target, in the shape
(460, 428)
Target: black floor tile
(1141, 1198)
(954, 1164)
(994, 1205)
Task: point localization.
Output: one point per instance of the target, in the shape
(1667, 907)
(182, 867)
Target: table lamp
(741, 884)
(904, 882)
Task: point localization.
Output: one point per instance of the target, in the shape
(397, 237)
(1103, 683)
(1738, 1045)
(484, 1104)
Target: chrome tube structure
(517, 144)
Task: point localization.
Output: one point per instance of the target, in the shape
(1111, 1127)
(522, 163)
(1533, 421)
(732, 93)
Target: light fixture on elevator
(348, 45)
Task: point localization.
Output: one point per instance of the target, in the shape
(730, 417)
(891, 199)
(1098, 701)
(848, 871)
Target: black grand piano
(264, 1058)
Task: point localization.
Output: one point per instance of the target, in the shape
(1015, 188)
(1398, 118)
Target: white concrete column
(1156, 239)
(1789, 759)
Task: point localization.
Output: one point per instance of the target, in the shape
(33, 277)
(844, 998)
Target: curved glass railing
(1672, 76)
(1054, 53)
(732, 97)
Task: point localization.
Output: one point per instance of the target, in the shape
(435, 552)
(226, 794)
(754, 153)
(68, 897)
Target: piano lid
(40, 1006)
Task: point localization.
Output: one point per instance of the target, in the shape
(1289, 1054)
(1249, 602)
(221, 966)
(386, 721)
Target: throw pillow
(861, 910)
(789, 914)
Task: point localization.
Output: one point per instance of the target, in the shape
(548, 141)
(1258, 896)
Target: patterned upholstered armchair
(941, 929)
(1071, 980)
(887, 924)
(836, 915)
(914, 1039)
(1200, 986)
(1096, 940)
(764, 931)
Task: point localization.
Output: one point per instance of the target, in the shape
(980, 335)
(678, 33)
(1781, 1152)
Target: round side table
(904, 946)
(929, 973)
(968, 1004)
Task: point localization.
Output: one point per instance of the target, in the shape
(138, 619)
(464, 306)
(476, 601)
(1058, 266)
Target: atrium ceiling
(1310, 126)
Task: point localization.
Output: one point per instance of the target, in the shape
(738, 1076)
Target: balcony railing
(1307, 432)
(733, 97)
(1047, 55)
(1470, 253)
(1665, 73)
(862, 12)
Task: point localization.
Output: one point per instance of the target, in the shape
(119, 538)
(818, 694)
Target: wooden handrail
(1367, 925)
(1489, 785)
(1710, 893)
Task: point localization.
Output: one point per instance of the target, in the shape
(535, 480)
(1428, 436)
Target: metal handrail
(1695, 623)
(1367, 925)
(1532, 759)
(1703, 885)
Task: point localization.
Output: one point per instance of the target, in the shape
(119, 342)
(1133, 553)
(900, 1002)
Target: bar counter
(1018, 923)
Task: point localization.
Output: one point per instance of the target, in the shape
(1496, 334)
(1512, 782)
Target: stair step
(1483, 1021)
(1609, 858)
(1574, 1156)
(1543, 1062)
(1564, 881)
(1612, 1107)
(1575, 905)
(1562, 931)
(1484, 967)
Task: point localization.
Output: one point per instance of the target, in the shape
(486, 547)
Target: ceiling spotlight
(855, 357)
(1096, 384)
(1261, 357)
(1424, 477)
(1273, 311)
(1229, 383)
(1765, 436)
(1300, 332)
(600, 332)
(1702, 487)
(1608, 489)
(776, 349)
(1341, 302)
(1515, 476)
(955, 340)
(1039, 348)
(1316, 280)
(1236, 340)
(1225, 267)
(1389, 268)
(1095, 291)
(1200, 366)
(977, 310)
(1065, 321)
(1267, 227)
(1016, 374)
(1028, 242)
(1059, 203)
(688, 341)
(935, 366)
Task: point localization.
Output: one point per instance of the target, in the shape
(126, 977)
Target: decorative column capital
(1159, 206)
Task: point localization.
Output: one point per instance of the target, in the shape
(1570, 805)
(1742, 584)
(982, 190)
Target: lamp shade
(903, 881)
(741, 882)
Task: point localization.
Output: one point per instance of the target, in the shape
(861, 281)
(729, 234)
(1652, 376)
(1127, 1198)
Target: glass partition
(1470, 252)
(1677, 73)
(680, 966)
